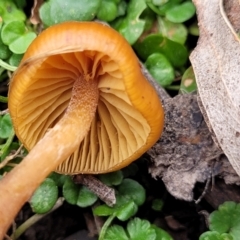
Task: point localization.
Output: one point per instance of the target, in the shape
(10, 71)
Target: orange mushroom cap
(129, 116)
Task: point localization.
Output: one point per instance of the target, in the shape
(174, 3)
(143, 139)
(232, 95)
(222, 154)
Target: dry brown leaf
(35, 19)
(216, 61)
(185, 153)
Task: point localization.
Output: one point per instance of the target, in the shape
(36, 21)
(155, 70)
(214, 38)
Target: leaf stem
(35, 218)
(7, 66)
(106, 226)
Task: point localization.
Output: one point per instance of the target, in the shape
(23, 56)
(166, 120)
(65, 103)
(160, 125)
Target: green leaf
(123, 209)
(20, 3)
(194, 29)
(5, 126)
(188, 82)
(181, 12)
(103, 210)
(133, 190)
(21, 44)
(15, 59)
(213, 235)
(140, 230)
(176, 32)
(163, 8)
(45, 197)
(157, 204)
(15, 35)
(108, 11)
(57, 11)
(77, 194)
(161, 234)
(59, 179)
(12, 31)
(112, 179)
(4, 50)
(86, 197)
(131, 27)
(226, 219)
(160, 68)
(70, 191)
(126, 211)
(116, 232)
(159, 2)
(155, 43)
(9, 12)
(121, 8)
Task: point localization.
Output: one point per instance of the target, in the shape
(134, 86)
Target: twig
(11, 157)
(4, 112)
(104, 192)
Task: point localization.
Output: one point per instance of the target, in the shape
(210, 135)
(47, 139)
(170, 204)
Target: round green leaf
(21, 44)
(159, 2)
(86, 197)
(127, 210)
(121, 8)
(116, 232)
(157, 204)
(12, 31)
(59, 179)
(112, 179)
(77, 194)
(160, 68)
(70, 191)
(156, 43)
(45, 197)
(15, 59)
(133, 190)
(163, 8)
(4, 50)
(9, 12)
(226, 219)
(108, 11)
(57, 11)
(103, 210)
(194, 29)
(131, 27)
(124, 208)
(181, 12)
(5, 126)
(140, 230)
(161, 234)
(176, 32)
(213, 235)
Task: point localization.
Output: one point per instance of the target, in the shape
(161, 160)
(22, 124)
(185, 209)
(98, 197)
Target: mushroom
(80, 104)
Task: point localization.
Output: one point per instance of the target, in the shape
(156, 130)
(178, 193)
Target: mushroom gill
(118, 128)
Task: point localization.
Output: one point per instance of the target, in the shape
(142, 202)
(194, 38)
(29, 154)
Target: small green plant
(156, 30)
(224, 223)
(130, 195)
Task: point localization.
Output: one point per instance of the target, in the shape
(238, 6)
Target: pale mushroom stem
(57, 145)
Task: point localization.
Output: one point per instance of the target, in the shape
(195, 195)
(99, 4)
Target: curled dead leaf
(216, 61)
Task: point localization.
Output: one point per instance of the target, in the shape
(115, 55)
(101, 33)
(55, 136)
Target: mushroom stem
(18, 185)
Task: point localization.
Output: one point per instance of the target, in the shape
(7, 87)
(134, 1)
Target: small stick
(11, 157)
(204, 191)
